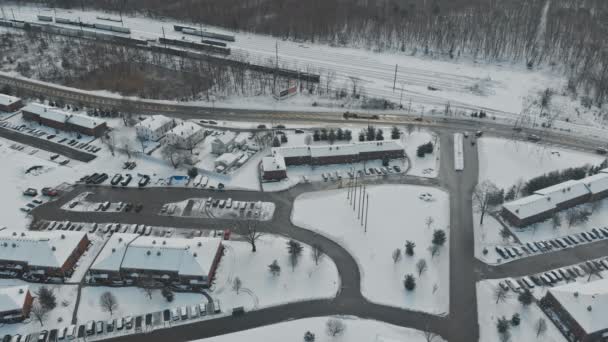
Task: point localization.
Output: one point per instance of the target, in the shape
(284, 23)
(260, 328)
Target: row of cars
(553, 277)
(31, 192)
(551, 244)
(39, 133)
(120, 206)
(118, 179)
(112, 228)
(372, 171)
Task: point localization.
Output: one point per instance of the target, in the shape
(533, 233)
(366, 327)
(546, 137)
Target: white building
(226, 160)
(185, 135)
(222, 143)
(15, 303)
(154, 127)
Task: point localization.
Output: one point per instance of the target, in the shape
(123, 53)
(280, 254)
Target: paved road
(45, 144)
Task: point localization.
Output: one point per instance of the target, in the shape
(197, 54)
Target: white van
(183, 312)
(174, 314)
(71, 333)
(61, 333)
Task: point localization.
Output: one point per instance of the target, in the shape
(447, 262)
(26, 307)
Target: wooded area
(573, 36)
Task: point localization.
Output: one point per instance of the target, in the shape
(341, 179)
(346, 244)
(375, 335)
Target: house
(9, 103)
(581, 309)
(340, 154)
(188, 262)
(15, 303)
(41, 254)
(154, 127)
(597, 185)
(185, 135)
(222, 143)
(528, 210)
(273, 168)
(58, 119)
(226, 160)
(567, 194)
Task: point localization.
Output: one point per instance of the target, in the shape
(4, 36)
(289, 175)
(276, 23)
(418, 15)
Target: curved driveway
(461, 325)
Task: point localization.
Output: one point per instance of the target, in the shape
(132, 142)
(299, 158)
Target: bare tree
(434, 250)
(540, 327)
(109, 139)
(147, 284)
(317, 253)
(39, 312)
(237, 284)
(127, 147)
(421, 266)
(430, 336)
(500, 294)
(429, 222)
(249, 231)
(308, 139)
(556, 221)
(108, 302)
(396, 255)
(142, 142)
(173, 154)
(334, 327)
(577, 215)
(485, 197)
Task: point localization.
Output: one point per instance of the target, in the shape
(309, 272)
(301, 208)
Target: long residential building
(546, 202)
(133, 258)
(580, 309)
(328, 154)
(185, 135)
(65, 121)
(41, 254)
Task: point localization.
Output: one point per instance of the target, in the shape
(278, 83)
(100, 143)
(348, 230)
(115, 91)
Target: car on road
(138, 207)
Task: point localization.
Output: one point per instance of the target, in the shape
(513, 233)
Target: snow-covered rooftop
(227, 159)
(185, 129)
(564, 191)
(7, 99)
(57, 115)
(12, 298)
(273, 163)
(586, 303)
(529, 206)
(596, 183)
(42, 249)
(225, 138)
(154, 122)
(187, 257)
(604, 170)
(110, 257)
(338, 149)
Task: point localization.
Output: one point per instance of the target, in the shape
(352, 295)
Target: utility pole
(276, 68)
(366, 213)
(395, 80)
(355, 199)
(401, 97)
(360, 212)
(163, 28)
(13, 13)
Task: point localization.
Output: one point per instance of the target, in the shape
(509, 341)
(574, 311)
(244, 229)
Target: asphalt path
(45, 144)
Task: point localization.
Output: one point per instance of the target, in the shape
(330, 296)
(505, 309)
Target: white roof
(7, 99)
(187, 257)
(593, 295)
(565, 191)
(57, 115)
(316, 151)
(12, 298)
(604, 170)
(185, 129)
(111, 256)
(154, 122)
(596, 183)
(228, 158)
(273, 163)
(42, 249)
(529, 206)
(225, 138)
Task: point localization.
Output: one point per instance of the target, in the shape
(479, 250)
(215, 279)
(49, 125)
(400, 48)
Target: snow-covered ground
(356, 330)
(260, 288)
(505, 162)
(488, 312)
(396, 214)
(131, 301)
(61, 315)
(427, 166)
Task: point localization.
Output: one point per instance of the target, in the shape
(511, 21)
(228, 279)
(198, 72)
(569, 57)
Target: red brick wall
(11, 107)
(27, 306)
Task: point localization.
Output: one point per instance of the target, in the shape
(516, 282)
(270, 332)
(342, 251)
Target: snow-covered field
(131, 301)
(505, 162)
(356, 330)
(396, 214)
(260, 288)
(489, 311)
(427, 166)
(61, 315)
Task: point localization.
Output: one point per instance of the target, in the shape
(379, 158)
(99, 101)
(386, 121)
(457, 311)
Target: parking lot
(220, 208)
(507, 253)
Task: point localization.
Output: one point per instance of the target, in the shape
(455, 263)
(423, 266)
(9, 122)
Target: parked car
(30, 192)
